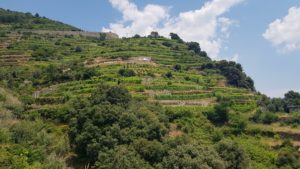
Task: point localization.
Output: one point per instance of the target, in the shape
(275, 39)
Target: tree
(292, 95)
(99, 129)
(102, 36)
(220, 114)
(169, 75)
(203, 54)
(264, 117)
(137, 36)
(113, 95)
(238, 124)
(174, 36)
(233, 154)
(122, 157)
(192, 156)
(233, 73)
(177, 67)
(167, 44)
(151, 151)
(194, 46)
(78, 49)
(288, 159)
(126, 72)
(118, 95)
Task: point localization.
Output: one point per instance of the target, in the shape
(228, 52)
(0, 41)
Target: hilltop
(11, 20)
(75, 99)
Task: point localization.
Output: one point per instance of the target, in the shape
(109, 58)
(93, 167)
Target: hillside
(11, 20)
(80, 101)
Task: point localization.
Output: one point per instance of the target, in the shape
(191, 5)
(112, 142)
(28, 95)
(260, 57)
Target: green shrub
(174, 36)
(234, 156)
(264, 117)
(168, 75)
(2, 98)
(193, 156)
(43, 54)
(124, 157)
(78, 49)
(2, 34)
(126, 72)
(288, 158)
(174, 115)
(220, 114)
(167, 44)
(177, 67)
(151, 151)
(5, 136)
(238, 124)
(293, 119)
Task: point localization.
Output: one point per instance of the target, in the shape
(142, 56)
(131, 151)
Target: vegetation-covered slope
(11, 20)
(73, 101)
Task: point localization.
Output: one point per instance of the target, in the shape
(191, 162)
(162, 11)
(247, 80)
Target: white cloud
(206, 25)
(285, 33)
(136, 21)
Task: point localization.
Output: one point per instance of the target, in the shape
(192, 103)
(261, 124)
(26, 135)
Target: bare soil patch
(202, 102)
(174, 132)
(106, 61)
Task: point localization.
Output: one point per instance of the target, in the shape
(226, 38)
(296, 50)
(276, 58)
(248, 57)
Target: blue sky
(261, 35)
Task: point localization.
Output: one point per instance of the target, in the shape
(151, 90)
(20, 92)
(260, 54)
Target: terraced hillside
(81, 100)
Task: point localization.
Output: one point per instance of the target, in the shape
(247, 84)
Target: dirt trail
(106, 61)
(175, 103)
(44, 91)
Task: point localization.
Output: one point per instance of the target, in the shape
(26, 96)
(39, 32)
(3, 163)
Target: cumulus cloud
(137, 21)
(285, 33)
(206, 25)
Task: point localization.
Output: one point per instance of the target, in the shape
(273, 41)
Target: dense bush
(233, 73)
(124, 157)
(291, 98)
(168, 75)
(288, 160)
(43, 54)
(113, 95)
(167, 44)
(264, 117)
(177, 67)
(99, 129)
(174, 36)
(61, 73)
(234, 156)
(126, 72)
(293, 119)
(193, 156)
(194, 46)
(31, 144)
(238, 124)
(288, 156)
(2, 34)
(2, 97)
(220, 114)
(78, 49)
